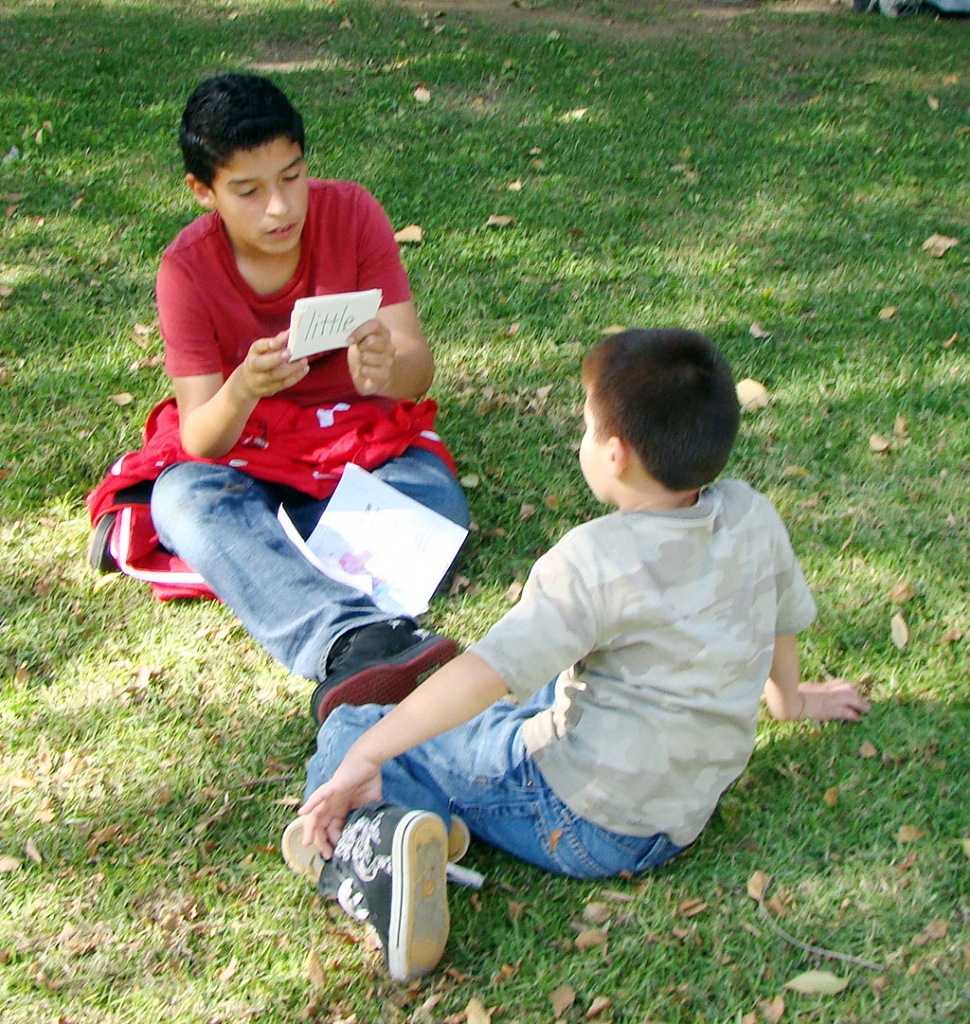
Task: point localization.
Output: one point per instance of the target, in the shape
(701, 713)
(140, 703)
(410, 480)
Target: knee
(186, 496)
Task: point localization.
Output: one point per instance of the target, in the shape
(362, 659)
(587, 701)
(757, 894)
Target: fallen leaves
(817, 983)
(939, 245)
(899, 631)
(878, 444)
(562, 999)
(751, 395)
(933, 932)
(413, 234)
(909, 834)
(757, 884)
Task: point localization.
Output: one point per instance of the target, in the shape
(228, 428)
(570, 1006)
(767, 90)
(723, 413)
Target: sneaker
(99, 555)
(388, 869)
(379, 664)
(305, 861)
(459, 839)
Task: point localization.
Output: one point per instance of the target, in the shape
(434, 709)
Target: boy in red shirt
(226, 287)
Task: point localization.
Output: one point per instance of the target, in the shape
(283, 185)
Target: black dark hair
(229, 113)
(670, 395)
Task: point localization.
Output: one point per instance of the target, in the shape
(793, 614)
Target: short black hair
(670, 395)
(228, 113)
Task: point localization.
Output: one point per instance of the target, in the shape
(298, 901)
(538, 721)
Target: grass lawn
(765, 172)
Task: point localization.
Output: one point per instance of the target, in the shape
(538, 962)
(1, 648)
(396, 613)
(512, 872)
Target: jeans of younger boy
(482, 772)
(223, 523)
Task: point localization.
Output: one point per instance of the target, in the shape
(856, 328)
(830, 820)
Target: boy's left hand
(371, 358)
(356, 781)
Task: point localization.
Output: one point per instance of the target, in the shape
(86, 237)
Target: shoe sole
(418, 928)
(459, 839)
(301, 860)
(387, 682)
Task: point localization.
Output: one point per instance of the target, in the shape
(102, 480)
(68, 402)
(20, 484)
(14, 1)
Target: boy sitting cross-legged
(660, 625)
(253, 428)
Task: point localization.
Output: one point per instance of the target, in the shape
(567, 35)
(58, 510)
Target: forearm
(412, 374)
(781, 690)
(211, 429)
(454, 694)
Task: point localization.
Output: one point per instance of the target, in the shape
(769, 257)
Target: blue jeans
(482, 772)
(223, 523)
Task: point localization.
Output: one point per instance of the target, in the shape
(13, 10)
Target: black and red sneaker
(379, 664)
(389, 869)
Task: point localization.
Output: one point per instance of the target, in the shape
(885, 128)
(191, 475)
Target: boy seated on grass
(258, 429)
(660, 626)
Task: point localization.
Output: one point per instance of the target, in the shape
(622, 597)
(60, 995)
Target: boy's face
(596, 459)
(262, 197)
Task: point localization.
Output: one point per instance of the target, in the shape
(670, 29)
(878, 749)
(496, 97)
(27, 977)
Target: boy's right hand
(267, 368)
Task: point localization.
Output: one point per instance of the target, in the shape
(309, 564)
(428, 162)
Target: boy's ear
(620, 455)
(204, 195)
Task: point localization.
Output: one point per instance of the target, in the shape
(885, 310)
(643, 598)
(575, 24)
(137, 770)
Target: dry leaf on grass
(901, 592)
(878, 445)
(422, 95)
(498, 220)
(475, 1012)
(590, 938)
(8, 864)
(751, 394)
(598, 1006)
(122, 398)
(596, 912)
(939, 245)
(561, 999)
(899, 631)
(315, 973)
(757, 331)
(934, 931)
(757, 884)
(868, 750)
(887, 312)
(817, 983)
(831, 796)
(772, 1009)
(410, 235)
(909, 834)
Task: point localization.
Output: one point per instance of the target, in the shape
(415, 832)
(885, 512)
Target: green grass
(773, 166)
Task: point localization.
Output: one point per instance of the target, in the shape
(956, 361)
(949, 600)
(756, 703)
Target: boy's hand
(371, 358)
(267, 369)
(836, 698)
(356, 781)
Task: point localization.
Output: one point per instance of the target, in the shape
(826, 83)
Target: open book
(381, 542)
(323, 322)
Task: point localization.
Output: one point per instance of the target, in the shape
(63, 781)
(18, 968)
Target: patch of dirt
(628, 19)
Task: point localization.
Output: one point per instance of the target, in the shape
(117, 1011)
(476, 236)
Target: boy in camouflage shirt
(660, 625)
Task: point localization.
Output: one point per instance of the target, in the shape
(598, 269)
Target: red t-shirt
(209, 316)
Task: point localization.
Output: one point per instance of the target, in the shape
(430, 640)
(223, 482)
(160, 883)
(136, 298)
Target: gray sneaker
(388, 869)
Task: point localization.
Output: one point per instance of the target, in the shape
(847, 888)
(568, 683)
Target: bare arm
(789, 698)
(213, 411)
(455, 693)
(389, 355)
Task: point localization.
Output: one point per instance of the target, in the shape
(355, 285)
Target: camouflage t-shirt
(660, 628)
